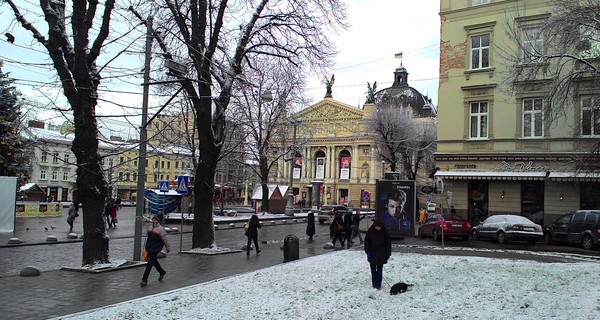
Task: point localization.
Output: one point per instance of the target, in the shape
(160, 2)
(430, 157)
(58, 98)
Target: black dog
(399, 287)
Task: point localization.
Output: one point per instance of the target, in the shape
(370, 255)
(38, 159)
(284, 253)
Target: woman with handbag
(157, 238)
(252, 234)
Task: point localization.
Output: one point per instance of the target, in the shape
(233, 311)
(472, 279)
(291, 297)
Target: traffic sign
(164, 186)
(182, 184)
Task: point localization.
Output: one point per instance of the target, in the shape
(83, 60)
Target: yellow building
(497, 151)
(336, 160)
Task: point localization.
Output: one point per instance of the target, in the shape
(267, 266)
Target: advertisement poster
(345, 168)
(320, 173)
(297, 167)
(396, 206)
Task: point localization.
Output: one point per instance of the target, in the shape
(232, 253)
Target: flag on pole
(398, 55)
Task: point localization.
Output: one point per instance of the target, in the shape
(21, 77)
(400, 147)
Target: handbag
(247, 226)
(145, 255)
(115, 220)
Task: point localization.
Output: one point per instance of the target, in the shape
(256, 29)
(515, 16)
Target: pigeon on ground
(45, 228)
(52, 227)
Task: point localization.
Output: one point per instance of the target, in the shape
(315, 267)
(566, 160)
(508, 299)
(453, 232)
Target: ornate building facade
(498, 152)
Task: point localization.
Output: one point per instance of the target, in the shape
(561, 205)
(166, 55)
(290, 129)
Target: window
(54, 175)
(162, 164)
(135, 176)
(134, 163)
(533, 120)
(480, 51)
(479, 2)
(479, 120)
(155, 163)
(55, 158)
(120, 176)
(44, 156)
(65, 176)
(110, 162)
(43, 174)
(176, 164)
(121, 159)
(168, 164)
(127, 176)
(66, 158)
(533, 45)
(590, 116)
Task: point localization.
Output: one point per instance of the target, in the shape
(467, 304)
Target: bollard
(291, 248)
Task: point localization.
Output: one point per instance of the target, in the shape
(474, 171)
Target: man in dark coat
(337, 227)
(378, 247)
(310, 226)
(252, 233)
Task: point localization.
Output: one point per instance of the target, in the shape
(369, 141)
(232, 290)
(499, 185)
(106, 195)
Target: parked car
(579, 227)
(508, 227)
(452, 225)
(327, 212)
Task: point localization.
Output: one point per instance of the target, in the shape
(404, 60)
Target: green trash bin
(291, 248)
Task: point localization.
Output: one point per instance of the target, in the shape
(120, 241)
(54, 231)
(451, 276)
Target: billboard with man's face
(395, 206)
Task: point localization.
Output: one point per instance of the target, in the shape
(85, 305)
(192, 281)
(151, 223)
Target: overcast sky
(379, 29)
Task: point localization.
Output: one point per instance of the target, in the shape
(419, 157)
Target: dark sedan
(450, 225)
(508, 227)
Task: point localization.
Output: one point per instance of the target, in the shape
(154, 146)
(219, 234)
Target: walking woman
(72, 215)
(157, 238)
(310, 226)
(378, 247)
(252, 233)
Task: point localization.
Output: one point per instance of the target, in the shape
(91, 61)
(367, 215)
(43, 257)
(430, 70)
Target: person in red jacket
(157, 238)
(378, 247)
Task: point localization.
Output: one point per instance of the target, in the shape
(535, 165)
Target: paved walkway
(58, 292)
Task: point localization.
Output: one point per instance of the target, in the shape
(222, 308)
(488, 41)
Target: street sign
(182, 184)
(164, 186)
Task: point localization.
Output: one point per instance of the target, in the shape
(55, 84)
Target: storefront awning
(491, 175)
(574, 176)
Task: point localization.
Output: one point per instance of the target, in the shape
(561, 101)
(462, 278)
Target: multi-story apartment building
(498, 150)
(178, 130)
(54, 164)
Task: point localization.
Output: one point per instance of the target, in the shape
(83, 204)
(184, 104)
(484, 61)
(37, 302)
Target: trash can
(291, 248)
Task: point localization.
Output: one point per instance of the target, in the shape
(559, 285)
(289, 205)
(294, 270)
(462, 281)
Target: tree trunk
(264, 179)
(91, 187)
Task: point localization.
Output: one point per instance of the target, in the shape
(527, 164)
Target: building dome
(401, 94)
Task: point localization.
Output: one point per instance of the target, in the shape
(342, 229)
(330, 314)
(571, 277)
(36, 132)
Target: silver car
(508, 227)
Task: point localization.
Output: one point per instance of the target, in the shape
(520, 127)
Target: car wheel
(421, 235)
(436, 236)
(548, 238)
(474, 235)
(587, 243)
(501, 237)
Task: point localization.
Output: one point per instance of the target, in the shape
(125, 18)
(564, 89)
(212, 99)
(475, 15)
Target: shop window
(532, 201)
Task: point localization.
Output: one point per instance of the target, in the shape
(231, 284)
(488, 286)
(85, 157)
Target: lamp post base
(289, 208)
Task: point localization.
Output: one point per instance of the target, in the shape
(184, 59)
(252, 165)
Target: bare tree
(267, 97)
(74, 55)
(219, 38)
(558, 55)
(401, 138)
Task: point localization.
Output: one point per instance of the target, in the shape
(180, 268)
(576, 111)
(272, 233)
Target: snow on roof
(26, 186)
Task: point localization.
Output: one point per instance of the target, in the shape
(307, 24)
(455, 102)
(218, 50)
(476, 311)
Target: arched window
(320, 165)
(345, 165)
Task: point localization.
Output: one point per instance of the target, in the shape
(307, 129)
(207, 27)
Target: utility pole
(140, 200)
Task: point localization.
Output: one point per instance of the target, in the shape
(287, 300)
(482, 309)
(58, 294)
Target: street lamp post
(289, 209)
(382, 169)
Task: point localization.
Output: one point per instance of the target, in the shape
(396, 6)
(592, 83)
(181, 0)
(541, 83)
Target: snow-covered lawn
(338, 286)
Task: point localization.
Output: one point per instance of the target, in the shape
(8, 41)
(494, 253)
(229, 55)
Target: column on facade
(354, 175)
(372, 168)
